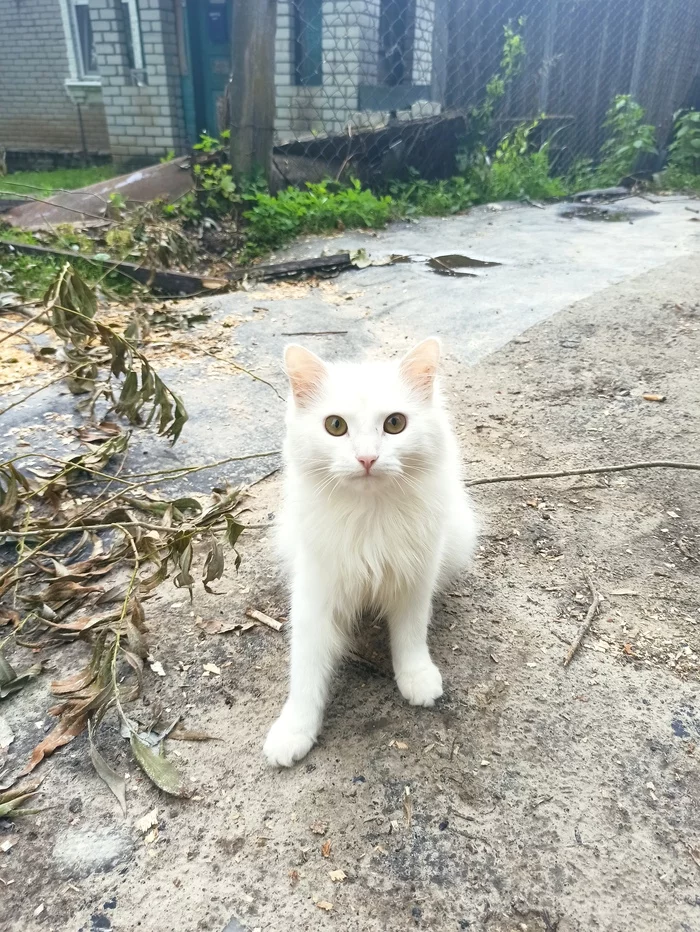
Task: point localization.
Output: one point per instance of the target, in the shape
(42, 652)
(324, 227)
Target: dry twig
(264, 619)
(587, 622)
(590, 471)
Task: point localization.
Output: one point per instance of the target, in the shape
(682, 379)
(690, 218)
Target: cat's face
(363, 423)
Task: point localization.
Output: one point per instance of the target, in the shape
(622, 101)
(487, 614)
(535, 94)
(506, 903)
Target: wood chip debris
(146, 822)
(324, 904)
(264, 619)
(211, 668)
(407, 805)
(337, 876)
(651, 396)
(318, 827)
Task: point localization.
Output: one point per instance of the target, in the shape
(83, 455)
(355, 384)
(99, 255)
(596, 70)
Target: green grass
(43, 184)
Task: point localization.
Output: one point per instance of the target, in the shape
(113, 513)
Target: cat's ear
(306, 373)
(419, 367)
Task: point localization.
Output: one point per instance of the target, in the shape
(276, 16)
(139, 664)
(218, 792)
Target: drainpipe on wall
(83, 141)
(79, 96)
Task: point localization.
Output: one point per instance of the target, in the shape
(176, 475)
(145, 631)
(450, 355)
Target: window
(132, 32)
(308, 42)
(83, 44)
(396, 27)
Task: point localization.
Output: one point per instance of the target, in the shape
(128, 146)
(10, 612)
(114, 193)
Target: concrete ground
(541, 798)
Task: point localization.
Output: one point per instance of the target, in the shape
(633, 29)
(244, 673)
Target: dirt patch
(542, 798)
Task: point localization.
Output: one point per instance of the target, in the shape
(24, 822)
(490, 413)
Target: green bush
(684, 151)
(273, 221)
(628, 138)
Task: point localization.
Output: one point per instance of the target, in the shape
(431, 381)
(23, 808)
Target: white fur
(353, 542)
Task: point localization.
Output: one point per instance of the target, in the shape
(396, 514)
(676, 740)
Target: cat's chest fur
(370, 545)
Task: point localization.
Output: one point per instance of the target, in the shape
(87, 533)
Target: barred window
(308, 42)
(396, 29)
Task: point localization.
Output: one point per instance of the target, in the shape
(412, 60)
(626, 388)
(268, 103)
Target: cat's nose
(367, 461)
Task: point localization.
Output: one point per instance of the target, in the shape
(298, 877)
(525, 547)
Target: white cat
(375, 518)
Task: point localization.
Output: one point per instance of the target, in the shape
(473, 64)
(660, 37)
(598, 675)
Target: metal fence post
(252, 86)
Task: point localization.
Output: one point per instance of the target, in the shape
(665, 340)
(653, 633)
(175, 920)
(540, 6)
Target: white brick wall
(144, 122)
(350, 58)
(35, 110)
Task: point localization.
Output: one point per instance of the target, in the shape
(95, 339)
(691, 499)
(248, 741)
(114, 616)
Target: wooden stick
(264, 619)
(592, 470)
(586, 624)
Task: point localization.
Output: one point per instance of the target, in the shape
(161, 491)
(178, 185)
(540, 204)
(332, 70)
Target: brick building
(135, 79)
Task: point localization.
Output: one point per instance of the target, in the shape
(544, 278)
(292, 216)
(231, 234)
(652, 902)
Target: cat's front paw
(421, 686)
(286, 743)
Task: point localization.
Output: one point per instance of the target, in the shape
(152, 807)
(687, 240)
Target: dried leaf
(12, 682)
(62, 734)
(185, 734)
(318, 827)
(114, 781)
(214, 564)
(326, 848)
(158, 769)
(217, 625)
(13, 806)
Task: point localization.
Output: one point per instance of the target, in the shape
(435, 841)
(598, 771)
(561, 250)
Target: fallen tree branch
(590, 471)
(587, 622)
(165, 281)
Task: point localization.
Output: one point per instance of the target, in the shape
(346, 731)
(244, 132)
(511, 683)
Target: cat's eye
(395, 423)
(336, 426)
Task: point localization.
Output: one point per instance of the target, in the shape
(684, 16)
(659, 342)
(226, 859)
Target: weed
(473, 147)
(519, 171)
(432, 198)
(274, 221)
(628, 138)
(684, 151)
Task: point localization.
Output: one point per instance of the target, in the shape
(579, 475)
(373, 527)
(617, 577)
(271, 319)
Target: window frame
(82, 72)
(136, 37)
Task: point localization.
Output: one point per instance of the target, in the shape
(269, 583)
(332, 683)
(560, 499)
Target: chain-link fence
(374, 88)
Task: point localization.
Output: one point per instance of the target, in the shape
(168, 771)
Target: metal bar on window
(136, 43)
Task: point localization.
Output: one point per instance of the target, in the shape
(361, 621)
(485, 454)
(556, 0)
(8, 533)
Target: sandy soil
(541, 798)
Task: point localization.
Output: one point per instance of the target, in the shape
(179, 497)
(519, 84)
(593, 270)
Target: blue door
(209, 23)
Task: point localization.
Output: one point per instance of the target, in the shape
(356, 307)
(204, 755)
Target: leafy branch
(84, 561)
